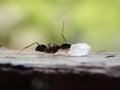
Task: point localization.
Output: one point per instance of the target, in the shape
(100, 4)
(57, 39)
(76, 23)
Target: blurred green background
(96, 22)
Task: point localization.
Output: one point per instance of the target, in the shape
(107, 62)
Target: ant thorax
(52, 49)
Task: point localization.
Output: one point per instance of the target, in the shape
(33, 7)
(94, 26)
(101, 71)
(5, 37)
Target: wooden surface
(32, 70)
(107, 63)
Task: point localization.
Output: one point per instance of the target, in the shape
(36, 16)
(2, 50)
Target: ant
(50, 49)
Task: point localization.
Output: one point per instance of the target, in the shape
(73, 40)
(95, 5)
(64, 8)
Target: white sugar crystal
(79, 49)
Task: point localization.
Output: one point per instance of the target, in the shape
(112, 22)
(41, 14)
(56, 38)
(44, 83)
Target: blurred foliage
(96, 22)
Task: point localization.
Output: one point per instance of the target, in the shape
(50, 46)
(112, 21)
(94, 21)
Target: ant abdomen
(41, 48)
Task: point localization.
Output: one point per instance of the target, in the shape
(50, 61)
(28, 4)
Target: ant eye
(65, 45)
(41, 48)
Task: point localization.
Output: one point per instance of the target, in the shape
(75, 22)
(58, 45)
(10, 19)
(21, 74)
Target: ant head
(65, 45)
(41, 48)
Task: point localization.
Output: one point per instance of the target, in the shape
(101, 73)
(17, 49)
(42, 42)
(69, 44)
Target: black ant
(48, 48)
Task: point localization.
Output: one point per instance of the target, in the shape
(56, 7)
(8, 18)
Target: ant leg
(28, 46)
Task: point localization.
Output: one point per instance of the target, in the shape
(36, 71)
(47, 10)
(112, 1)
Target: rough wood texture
(31, 70)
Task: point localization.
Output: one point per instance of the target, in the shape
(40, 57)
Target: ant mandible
(48, 48)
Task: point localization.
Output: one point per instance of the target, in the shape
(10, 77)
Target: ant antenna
(29, 46)
(62, 33)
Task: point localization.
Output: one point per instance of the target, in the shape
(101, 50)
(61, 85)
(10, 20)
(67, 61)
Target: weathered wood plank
(102, 62)
(40, 71)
